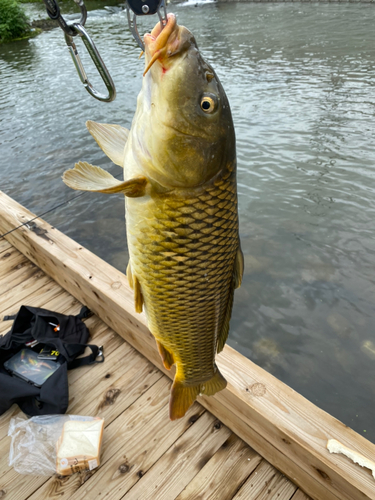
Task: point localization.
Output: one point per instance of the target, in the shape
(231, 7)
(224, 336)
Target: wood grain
(278, 423)
(4, 245)
(20, 293)
(143, 444)
(142, 411)
(300, 495)
(266, 483)
(222, 475)
(9, 260)
(177, 467)
(16, 276)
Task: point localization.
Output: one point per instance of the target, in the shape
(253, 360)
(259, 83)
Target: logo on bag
(64, 462)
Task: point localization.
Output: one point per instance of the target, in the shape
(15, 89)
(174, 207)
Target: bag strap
(84, 313)
(9, 317)
(96, 356)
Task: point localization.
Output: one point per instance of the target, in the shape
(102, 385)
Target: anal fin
(183, 395)
(166, 356)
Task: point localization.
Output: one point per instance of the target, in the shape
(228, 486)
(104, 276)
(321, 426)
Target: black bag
(66, 334)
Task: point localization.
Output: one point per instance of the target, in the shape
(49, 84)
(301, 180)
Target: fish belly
(182, 251)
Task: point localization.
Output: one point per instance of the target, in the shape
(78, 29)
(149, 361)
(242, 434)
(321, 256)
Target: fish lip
(160, 44)
(158, 38)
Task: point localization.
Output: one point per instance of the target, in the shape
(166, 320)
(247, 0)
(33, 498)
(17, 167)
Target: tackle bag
(61, 338)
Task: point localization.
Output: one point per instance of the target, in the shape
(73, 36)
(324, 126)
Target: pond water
(301, 82)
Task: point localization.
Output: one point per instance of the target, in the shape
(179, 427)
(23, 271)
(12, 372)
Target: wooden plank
(20, 293)
(224, 473)
(4, 245)
(17, 488)
(300, 495)
(178, 466)
(265, 448)
(9, 260)
(16, 276)
(7, 264)
(278, 423)
(141, 449)
(124, 433)
(266, 483)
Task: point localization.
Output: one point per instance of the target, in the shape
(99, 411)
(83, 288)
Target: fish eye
(209, 103)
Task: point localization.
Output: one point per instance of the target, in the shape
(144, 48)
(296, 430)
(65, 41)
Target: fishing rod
(72, 28)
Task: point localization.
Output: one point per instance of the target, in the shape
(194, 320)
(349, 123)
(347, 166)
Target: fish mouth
(161, 44)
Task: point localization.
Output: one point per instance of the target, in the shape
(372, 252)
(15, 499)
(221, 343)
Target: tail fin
(183, 396)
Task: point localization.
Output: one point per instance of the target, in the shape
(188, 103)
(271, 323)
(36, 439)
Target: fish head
(183, 124)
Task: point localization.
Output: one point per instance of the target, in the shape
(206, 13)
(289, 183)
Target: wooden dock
(226, 447)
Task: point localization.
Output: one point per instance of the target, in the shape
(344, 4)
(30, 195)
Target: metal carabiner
(78, 29)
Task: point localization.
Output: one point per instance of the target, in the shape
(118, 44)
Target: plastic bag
(33, 448)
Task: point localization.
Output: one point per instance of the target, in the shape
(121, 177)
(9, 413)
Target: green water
(300, 79)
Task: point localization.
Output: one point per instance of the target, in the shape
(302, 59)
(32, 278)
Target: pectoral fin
(111, 139)
(86, 177)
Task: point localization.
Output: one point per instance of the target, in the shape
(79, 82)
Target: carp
(179, 161)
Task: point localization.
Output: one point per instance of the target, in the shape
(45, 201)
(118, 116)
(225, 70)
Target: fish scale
(186, 300)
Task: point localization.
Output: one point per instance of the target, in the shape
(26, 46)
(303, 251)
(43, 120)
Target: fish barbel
(179, 164)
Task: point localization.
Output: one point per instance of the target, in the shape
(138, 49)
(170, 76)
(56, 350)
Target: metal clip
(163, 19)
(78, 29)
(53, 11)
(100, 356)
(136, 8)
(133, 28)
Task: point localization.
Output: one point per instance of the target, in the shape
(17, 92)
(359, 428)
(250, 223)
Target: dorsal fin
(86, 177)
(111, 139)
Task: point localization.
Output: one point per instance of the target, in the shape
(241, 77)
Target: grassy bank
(13, 21)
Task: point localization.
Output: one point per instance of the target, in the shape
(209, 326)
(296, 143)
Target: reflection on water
(300, 79)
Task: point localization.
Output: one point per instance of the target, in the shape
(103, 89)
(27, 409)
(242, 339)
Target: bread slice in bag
(78, 447)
